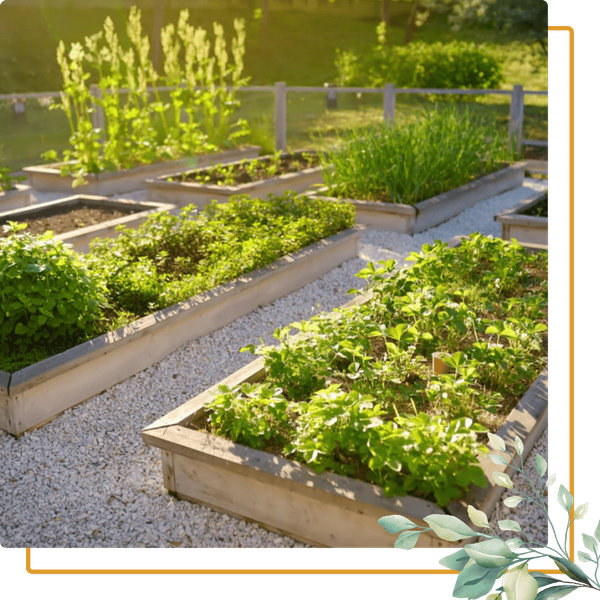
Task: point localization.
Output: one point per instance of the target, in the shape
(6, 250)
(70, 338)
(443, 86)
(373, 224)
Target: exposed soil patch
(535, 152)
(67, 218)
(251, 170)
(539, 209)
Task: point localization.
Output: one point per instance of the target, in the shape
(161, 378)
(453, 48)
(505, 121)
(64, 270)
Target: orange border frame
(405, 571)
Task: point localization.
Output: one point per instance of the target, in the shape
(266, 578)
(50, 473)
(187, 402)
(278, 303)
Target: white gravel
(87, 480)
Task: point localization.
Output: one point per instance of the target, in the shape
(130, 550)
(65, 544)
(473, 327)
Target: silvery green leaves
(502, 479)
(480, 565)
(408, 537)
(447, 527)
(519, 584)
(565, 499)
(478, 517)
(540, 465)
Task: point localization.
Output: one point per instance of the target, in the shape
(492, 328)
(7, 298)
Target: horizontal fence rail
(280, 90)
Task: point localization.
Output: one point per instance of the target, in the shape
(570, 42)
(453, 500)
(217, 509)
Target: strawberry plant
(362, 399)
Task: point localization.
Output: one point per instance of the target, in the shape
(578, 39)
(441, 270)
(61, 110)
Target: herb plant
(7, 181)
(47, 296)
(362, 400)
(141, 128)
(483, 563)
(412, 161)
(249, 170)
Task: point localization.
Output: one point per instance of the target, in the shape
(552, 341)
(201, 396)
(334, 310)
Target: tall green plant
(411, 161)
(139, 127)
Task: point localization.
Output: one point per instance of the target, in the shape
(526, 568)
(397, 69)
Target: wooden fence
(389, 91)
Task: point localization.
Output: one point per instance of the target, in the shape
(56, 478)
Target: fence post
(515, 122)
(389, 102)
(98, 112)
(280, 116)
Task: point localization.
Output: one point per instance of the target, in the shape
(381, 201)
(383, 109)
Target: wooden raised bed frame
(187, 192)
(404, 218)
(47, 178)
(322, 509)
(80, 238)
(36, 394)
(526, 229)
(16, 198)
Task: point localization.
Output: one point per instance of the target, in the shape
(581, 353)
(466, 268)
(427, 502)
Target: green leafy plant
(415, 160)
(361, 397)
(449, 65)
(8, 181)
(47, 294)
(482, 564)
(140, 127)
(170, 258)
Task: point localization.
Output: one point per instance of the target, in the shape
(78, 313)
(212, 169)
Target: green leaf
(509, 525)
(456, 561)
(540, 465)
(571, 570)
(396, 523)
(498, 459)
(502, 479)
(581, 511)
(519, 584)
(597, 532)
(449, 528)
(564, 498)
(513, 501)
(495, 596)
(496, 442)
(407, 540)
(551, 480)
(519, 446)
(475, 581)
(585, 557)
(543, 579)
(478, 517)
(590, 543)
(556, 592)
(490, 553)
(514, 543)
(20, 329)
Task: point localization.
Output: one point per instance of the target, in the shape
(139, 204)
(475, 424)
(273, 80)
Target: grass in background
(300, 50)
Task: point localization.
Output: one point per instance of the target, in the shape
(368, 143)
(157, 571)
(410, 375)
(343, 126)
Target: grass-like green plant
(49, 292)
(411, 161)
(361, 397)
(140, 127)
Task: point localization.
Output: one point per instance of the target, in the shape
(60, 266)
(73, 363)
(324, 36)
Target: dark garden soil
(539, 209)
(250, 171)
(535, 152)
(64, 219)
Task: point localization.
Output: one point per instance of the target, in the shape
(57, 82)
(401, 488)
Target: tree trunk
(410, 24)
(385, 11)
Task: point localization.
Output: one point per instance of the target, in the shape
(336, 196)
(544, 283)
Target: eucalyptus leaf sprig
(481, 564)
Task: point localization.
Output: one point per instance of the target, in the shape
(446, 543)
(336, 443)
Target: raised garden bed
(525, 221)
(321, 508)
(296, 172)
(405, 218)
(33, 395)
(537, 167)
(48, 178)
(18, 197)
(79, 219)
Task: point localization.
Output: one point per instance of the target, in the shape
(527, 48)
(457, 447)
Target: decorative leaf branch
(480, 565)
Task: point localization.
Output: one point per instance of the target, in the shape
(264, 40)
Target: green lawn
(300, 50)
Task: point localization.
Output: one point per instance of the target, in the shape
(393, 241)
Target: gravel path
(87, 480)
